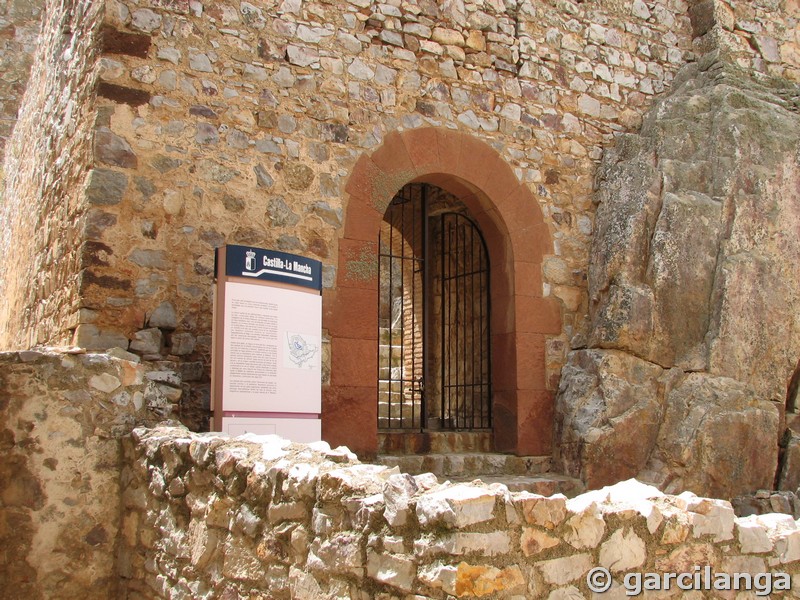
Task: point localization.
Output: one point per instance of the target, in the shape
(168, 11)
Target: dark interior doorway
(434, 352)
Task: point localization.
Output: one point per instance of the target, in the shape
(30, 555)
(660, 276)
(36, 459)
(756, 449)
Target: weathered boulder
(693, 252)
(608, 413)
(693, 273)
(718, 435)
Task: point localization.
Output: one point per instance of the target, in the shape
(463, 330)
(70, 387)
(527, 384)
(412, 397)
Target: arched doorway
(521, 318)
(434, 328)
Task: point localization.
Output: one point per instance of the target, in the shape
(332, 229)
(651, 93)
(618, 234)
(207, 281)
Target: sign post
(267, 347)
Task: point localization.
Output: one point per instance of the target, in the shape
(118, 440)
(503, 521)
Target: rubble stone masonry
(257, 517)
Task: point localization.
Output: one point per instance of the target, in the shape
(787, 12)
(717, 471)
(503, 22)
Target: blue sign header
(272, 265)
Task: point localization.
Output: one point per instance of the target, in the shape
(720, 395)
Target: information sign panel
(266, 358)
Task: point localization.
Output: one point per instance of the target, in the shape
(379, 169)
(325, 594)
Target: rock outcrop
(694, 294)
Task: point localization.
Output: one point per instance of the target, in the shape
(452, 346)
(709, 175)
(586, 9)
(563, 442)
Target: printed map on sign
(302, 350)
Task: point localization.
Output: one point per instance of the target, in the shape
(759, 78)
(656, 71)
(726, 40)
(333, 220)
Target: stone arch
(517, 239)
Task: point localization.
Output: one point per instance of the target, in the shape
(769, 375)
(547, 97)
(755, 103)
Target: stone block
(147, 341)
(456, 506)
(106, 187)
(390, 569)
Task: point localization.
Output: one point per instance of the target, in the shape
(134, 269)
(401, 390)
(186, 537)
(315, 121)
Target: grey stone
(170, 378)
(97, 221)
(287, 124)
(329, 185)
(164, 164)
(154, 259)
(93, 338)
(145, 186)
(145, 20)
(106, 187)
(203, 111)
(111, 149)
(147, 341)
(302, 56)
(263, 178)
(206, 134)
(334, 132)
(191, 371)
(183, 343)
(237, 139)
(200, 62)
(331, 216)
(211, 170)
(170, 54)
(279, 213)
(168, 80)
(164, 316)
(268, 146)
(145, 74)
(360, 70)
(255, 73)
(123, 354)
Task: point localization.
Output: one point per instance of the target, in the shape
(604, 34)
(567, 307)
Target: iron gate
(433, 309)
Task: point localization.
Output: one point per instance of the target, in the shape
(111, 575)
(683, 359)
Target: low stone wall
(61, 418)
(207, 516)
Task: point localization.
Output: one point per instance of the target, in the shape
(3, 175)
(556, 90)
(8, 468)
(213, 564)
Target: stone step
(518, 473)
(468, 465)
(393, 336)
(394, 409)
(433, 441)
(395, 352)
(545, 485)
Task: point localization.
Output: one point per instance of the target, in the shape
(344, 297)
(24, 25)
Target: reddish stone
(528, 278)
(449, 143)
(355, 314)
(535, 423)
(477, 163)
(358, 264)
(502, 184)
(361, 183)
(350, 418)
(530, 354)
(537, 315)
(504, 361)
(502, 315)
(113, 41)
(520, 210)
(122, 94)
(533, 242)
(422, 148)
(354, 363)
(392, 157)
(504, 421)
(362, 221)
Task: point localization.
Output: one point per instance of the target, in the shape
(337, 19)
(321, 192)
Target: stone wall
(45, 165)
(61, 418)
(258, 517)
(242, 122)
(20, 21)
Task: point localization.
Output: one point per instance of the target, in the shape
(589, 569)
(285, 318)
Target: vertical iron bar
(472, 322)
(402, 310)
(442, 307)
(426, 292)
(391, 303)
